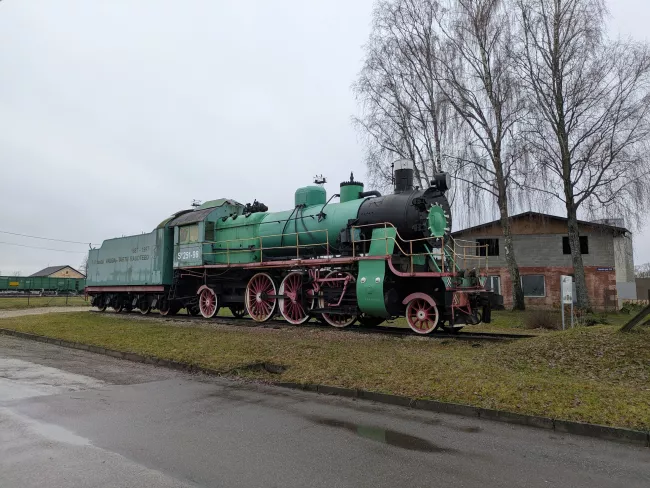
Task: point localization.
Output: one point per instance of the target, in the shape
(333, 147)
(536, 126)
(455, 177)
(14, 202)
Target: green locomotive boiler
(366, 257)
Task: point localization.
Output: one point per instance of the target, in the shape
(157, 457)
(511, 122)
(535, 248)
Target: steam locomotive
(366, 258)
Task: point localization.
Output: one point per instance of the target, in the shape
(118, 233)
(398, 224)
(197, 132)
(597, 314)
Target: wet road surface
(75, 419)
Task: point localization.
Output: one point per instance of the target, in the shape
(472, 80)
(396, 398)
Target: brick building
(64, 271)
(543, 255)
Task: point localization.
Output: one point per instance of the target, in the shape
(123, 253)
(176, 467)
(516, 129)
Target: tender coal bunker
(385, 436)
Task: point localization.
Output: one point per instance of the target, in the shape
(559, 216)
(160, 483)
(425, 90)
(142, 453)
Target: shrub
(542, 319)
(588, 320)
(633, 306)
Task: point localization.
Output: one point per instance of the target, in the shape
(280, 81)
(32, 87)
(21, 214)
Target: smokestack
(403, 175)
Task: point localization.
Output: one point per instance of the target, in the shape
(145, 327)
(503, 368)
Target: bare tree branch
(477, 77)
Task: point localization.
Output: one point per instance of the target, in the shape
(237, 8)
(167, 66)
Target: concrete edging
(637, 437)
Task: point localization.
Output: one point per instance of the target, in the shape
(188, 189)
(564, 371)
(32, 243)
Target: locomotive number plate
(185, 255)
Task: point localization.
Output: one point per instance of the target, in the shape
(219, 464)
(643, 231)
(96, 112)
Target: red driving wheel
(293, 305)
(260, 297)
(337, 280)
(208, 303)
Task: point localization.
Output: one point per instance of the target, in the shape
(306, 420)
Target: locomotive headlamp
(442, 181)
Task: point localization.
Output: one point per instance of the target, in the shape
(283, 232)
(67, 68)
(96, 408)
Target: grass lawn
(590, 374)
(18, 303)
(513, 321)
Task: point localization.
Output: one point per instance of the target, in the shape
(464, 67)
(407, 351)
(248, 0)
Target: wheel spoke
(257, 302)
(422, 316)
(290, 294)
(208, 303)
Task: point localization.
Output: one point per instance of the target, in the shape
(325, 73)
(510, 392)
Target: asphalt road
(75, 419)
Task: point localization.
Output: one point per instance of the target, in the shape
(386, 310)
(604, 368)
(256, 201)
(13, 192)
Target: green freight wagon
(42, 284)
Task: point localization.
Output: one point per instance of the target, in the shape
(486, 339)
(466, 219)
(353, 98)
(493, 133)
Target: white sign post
(566, 291)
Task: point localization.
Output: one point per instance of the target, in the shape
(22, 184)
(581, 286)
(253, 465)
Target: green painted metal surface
(188, 255)
(194, 242)
(313, 229)
(188, 252)
(237, 240)
(310, 195)
(219, 202)
(300, 232)
(370, 281)
(350, 192)
(143, 259)
(38, 283)
(437, 221)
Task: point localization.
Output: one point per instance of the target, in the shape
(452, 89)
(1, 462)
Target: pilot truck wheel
(208, 303)
(422, 315)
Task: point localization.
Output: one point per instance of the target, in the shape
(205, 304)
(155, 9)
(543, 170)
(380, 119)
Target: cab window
(209, 230)
(189, 233)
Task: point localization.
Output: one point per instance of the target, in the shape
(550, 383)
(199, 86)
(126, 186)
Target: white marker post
(566, 290)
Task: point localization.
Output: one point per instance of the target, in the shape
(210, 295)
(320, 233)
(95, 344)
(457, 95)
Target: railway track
(277, 323)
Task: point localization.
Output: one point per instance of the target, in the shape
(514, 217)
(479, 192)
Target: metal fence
(44, 300)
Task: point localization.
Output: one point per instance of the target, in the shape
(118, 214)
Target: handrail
(449, 249)
(443, 255)
(444, 247)
(228, 249)
(271, 235)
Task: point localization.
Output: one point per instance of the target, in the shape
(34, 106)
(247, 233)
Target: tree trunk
(436, 140)
(576, 258)
(508, 248)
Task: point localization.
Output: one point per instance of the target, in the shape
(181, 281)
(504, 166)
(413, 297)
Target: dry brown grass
(543, 319)
(590, 374)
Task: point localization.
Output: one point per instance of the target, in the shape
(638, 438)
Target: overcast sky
(115, 114)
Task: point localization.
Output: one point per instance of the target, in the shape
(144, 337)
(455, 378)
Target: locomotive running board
(290, 263)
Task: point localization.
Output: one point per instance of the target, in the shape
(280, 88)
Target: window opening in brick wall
(492, 247)
(494, 283)
(584, 245)
(533, 285)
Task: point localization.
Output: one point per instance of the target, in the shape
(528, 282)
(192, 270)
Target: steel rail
(276, 323)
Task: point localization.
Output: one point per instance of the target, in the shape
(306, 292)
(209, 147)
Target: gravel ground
(6, 314)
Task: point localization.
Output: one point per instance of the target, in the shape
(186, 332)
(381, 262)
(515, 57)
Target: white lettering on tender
(184, 255)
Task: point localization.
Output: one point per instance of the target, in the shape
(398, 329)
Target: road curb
(628, 436)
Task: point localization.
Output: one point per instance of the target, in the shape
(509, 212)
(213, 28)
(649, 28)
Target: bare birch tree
(84, 265)
(403, 111)
(477, 76)
(642, 270)
(588, 127)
